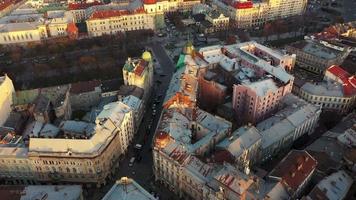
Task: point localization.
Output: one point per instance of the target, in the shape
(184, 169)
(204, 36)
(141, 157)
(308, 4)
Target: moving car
(132, 161)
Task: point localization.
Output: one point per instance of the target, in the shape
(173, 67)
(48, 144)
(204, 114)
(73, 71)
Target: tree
(267, 30)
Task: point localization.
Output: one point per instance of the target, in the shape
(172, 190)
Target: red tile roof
(237, 4)
(82, 87)
(103, 14)
(82, 5)
(179, 155)
(72, 30)
(294, 169)
(149, 1)
(6, 3)
(140, 67)
(349, 82)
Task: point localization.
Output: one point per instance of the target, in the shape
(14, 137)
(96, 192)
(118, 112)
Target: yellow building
(34, 27)
(6, 94)
(139, 72)
(22, 32)
(249, 14)
(107, 22)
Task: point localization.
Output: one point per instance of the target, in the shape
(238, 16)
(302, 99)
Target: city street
(141, 171)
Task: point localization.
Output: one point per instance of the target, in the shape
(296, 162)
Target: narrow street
(141, 171)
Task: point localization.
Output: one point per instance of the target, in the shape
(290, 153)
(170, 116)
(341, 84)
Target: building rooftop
(126, 90)
(55, 192)
(49, 131)
(127, 189)
(133, 102)
(294, 169)
(177, 122)
(237, 56)
(334, 186)
(199, 170)
(23, 26)
(240, 140)
(42, 104)
(233, 179)
(83, 87)
(81, 128)
(293, 112)
(316, 49)
(105, 130)
(324, 88)
(348, 138)
(263, 87)
(278, 191)
(338, 74)
(111, 85)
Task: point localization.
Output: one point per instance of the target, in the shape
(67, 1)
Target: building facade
(89, 161)
(7, 92)
(337, 91)
(108, 22)
(295, 118)
(317, 57)
(248, 13)
(139, 72)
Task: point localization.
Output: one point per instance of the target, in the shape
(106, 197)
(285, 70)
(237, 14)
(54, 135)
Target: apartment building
(294, 118)
(337, 91)
(248, 13)
(263, 81)
(90, 159)
(27, 25)
(317, 56)
(293, 173)
(107, 22)
(78, 9)
(334, 186)
(243, 146)
(176, 148)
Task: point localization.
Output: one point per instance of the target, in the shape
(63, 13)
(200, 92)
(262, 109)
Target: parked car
(132, 161)
(138, 146)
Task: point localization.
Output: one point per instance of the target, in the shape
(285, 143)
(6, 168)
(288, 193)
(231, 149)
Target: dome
(149, 1)
(188, 48)
(146, 56)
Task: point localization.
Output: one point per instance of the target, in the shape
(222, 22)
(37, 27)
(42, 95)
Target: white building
(332, 187)
(137, 106)
(58, 22)
(107, 20)
(244, 145)
(295, 118)
(337, 92)
(250, 13)
(7, 91)
(27, 25)
(90, 159)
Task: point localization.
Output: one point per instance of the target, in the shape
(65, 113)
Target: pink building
(255, 101)
(262, 81)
